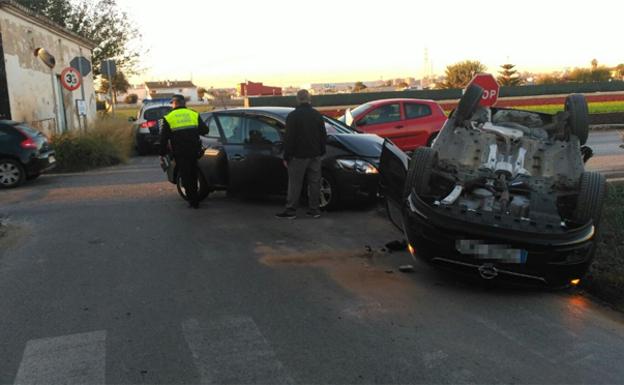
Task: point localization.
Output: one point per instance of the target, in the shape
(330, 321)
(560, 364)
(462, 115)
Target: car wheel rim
(9, 174)
(183, 190)
(326, 192)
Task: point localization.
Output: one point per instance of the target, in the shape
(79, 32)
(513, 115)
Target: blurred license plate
(498, 253)
(51, 159)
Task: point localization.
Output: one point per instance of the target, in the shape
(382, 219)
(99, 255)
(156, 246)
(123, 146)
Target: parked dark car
(146, 126)
(24, 153)
(502, 194)
(244, 154)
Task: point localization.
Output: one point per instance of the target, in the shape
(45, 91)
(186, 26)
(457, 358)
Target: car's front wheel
(12, 173)
(203, 190)
(329, 192)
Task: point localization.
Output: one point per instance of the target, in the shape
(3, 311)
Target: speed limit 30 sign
(71, 79)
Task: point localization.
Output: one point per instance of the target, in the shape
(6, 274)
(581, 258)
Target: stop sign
(490, 89)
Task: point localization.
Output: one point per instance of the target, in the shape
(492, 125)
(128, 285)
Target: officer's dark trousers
(187, 167)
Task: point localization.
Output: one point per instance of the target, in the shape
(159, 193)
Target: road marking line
(70, 359)
(233, 350)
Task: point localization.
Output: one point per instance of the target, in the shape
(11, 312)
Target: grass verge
(594, 108)
(605, 278)
(108, 143)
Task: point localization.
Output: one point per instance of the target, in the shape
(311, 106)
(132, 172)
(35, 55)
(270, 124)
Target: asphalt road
(605, 143)
(107, 277)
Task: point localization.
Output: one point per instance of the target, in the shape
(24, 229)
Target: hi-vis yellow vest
(182, 119)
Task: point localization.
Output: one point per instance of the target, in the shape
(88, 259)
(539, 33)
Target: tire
(468, 103)
(578, 122)
(592, 191)
(203, 190)
(419, 173)
(329, 192)
(12, 173)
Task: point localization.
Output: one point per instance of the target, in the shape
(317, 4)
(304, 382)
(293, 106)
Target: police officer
(182, 128)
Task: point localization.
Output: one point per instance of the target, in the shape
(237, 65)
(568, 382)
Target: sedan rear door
(253, 147)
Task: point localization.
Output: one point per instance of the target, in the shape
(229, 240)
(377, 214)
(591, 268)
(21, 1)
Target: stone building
(35, 53)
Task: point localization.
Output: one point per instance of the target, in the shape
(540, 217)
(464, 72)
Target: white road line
(71, 359)
(233, 350)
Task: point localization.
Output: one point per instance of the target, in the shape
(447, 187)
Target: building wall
(34, 92)
(189, 93)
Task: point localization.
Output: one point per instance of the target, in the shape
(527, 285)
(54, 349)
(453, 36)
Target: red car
(408, 123)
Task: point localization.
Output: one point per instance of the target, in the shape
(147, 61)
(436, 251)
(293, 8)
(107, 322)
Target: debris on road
(406, 269)
(397, 245)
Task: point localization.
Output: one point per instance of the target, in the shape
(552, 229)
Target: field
(594, 108)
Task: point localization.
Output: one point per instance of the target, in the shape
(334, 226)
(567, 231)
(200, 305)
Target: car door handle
(237, 158)
(398, 126)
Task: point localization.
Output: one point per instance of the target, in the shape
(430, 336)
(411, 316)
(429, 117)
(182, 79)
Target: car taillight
(29, 144)
(149, 124)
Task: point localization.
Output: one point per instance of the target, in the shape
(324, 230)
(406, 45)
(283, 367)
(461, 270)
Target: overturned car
(501, 193)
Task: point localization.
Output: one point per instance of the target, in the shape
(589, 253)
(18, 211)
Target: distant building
(258, 89)
(166, 89)
(139, 90)
(34, 52)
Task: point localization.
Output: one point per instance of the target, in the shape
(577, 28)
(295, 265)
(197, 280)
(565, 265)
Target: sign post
(83, 66)
(490, 86)
(109, 70)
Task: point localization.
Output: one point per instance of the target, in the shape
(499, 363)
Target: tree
(55, 10)
(101, 21)
(120, 85)
(201, 92)
(402, 85)
(619, 71)
(359, 86)
(508, 76)
(458, 75)
(110, 28)
(131, 99)
(549, 79)
(597, 73)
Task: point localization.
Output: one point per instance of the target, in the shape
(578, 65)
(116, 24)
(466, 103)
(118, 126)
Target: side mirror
(361, 123)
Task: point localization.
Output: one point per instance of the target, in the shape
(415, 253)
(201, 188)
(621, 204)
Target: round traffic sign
(490, 87)
(71, 79)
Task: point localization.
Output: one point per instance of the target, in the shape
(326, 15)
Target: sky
(293, 43)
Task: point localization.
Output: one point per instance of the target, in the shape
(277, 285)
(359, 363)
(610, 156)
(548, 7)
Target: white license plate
(498, 253)
(51, 159)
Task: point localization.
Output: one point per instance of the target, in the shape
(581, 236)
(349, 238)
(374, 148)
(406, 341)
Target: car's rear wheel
(419, 173)
(12, 173)
(468, 103)
(203, 190)
(592, 191)
(578, 122)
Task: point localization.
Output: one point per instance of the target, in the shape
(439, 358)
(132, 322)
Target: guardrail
(360, 98)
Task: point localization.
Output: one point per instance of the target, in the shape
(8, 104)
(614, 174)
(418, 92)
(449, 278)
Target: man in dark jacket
(182, 128)
(304, 146)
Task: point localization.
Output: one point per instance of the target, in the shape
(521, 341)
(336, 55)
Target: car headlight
(357, 165)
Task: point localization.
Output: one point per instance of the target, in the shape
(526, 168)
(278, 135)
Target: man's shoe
(313, 214)
(286, 215)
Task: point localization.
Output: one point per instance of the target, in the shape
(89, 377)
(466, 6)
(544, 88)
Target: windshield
(333, 126)
(357, 111)
(156, 113)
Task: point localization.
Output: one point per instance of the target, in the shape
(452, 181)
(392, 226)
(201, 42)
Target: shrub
(107, 144)
(131, 99)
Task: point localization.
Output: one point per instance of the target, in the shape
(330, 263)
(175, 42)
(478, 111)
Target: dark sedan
(244, 154)
(24, 154)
